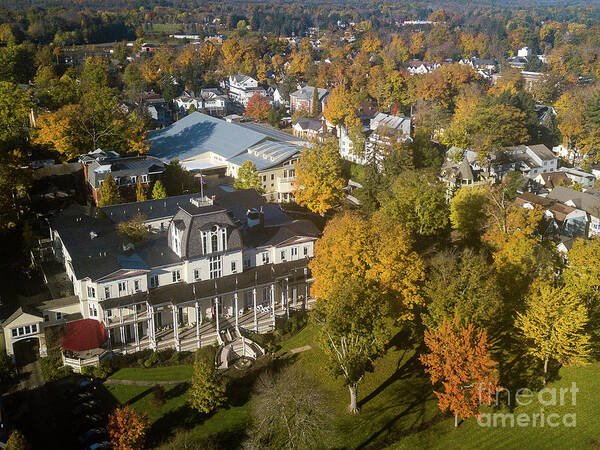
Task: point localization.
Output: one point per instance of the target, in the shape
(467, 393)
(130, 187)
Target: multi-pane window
(214, 241)
(154, 281)
(196, 274)
(24, 331)
(265, 258)
(233, 267)
(136, 285)
(305, 251)
(215, 267)
(283, 255)
(106, 291)
(59, 315)
(122, 288)
(91, 292)
(294, 251)
(176, 274)
(93, 310)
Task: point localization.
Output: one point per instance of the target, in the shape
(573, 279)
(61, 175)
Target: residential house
(159, 111)
(586, 180)
(308, 128)
(210, 101)
(590, 203)
(242, 88)
(456, 174)
(552, 179)
(126, 171)
(416, 67)
(530, 160)
(213, 146)
(560, 218)
(302, 99)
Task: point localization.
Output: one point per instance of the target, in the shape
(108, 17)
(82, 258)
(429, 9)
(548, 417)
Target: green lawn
(398, 408)
(307, 336)
(170, 373)
(586, 433)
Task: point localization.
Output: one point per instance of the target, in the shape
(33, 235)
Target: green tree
(418, 200)
(109, 192)
(316, 104)
(464, 287)
(158, 191)
(319, 183)
(553, 325)
(178, 180)
(353, 332)
(140, 192)
(248, 178)
(207, 391)
(468, 211)
(135, 228)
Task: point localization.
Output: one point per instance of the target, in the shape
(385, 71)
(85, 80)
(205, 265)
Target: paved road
(32, 375)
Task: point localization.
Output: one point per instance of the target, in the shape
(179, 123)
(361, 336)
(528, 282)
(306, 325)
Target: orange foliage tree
(372, 250)
(460, 360)
(258, 107)
(127, 429)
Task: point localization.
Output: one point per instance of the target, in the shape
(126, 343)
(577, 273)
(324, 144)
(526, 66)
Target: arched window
(214, 242)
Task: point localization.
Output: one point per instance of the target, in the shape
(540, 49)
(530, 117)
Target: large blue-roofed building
(203, 143)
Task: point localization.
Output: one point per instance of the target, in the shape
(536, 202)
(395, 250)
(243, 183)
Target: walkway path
(301, 349)
(146, 383)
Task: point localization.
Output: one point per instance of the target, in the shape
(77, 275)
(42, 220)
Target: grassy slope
(398, 408)
(471, 435)
(171, 373)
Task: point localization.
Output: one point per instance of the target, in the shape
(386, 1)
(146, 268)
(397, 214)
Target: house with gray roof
(586, 201)
(230, 257)
(302, 98)
(126, 171)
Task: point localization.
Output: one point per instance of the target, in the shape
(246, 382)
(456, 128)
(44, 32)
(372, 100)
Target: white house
(242, 88)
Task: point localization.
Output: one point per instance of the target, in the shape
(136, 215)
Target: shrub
(102, 371)
(152, 360)
(88, 371)
(52, 367)
(206, 354)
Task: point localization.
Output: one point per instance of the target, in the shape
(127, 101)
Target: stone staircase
(236, 346)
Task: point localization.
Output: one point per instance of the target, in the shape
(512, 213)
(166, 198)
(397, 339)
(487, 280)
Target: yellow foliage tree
(319, 183)
(376, 249)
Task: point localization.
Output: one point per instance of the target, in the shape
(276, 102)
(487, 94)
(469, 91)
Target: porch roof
(186, 292)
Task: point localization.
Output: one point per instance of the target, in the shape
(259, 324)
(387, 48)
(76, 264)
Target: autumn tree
(417, 199)
(553, 325)
(459, 359)
(135, 228)
(158, 191)
(248, 178)
(207, 391)
(316, 104)
(258, 107)
(464, 286)
(319, 184)
(290, 409)
(140, 192)
(582, 274)
(353, 331)
(468, 211)
(17, 441)
(374, 250)
(109, 192)
(340, 105)
(127, 429)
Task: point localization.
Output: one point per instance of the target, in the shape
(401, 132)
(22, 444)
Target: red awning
(84, 334)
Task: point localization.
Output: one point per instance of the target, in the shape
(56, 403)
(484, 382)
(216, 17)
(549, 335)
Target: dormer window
(214, 240)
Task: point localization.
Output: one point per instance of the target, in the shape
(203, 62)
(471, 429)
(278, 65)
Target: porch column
(122, 329)
(136, 332)
(305, 288)
(106, 322)
(152, 329)
(175, 326)
(282, 295)
(255, 317)
(273, 303)
(198, 318)
(217, 314)
(287, 297)
(235, 308)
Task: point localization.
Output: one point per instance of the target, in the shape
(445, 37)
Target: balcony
(285, 185)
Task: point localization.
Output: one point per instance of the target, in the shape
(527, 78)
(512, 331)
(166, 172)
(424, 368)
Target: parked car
(84, 407)
(94, 433)
(99, 445)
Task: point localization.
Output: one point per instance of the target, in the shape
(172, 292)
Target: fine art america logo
(550, 398)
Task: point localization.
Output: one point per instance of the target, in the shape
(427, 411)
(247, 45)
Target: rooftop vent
(93, 235)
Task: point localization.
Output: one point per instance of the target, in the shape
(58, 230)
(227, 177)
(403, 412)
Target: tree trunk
(353, 407)
(545, 370)
(455, 420)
